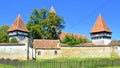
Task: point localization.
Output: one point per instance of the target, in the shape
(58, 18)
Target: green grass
(6, 66)
(71, 63)
(111, 67)
(74, 59)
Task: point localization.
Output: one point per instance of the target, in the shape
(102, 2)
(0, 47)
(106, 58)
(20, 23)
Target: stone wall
(77, 52)
(115, 51)
(13, 51)
(48, 53)
(86, 52)
(21, 50)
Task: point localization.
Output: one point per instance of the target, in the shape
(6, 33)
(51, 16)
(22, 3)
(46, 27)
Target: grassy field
(74, 59)
(111, 67)
(64, 63)
(6, 66)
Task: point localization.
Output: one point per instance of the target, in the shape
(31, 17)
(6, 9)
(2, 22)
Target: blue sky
(79, 15)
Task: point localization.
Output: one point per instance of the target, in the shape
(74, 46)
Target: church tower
(100, 33)
(18, 30)
(52, 10)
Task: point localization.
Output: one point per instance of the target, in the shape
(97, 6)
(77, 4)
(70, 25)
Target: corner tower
(100, 33)
(18, 29)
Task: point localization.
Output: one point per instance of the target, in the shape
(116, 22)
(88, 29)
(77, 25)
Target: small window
(55, 52)
(39, 53)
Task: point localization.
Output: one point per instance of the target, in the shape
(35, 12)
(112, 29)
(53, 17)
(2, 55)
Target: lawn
(74, 59)
(111, 67)
(6, 66)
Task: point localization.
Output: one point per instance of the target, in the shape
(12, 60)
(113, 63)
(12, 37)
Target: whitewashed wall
(21, 51)
(13, 52)
(101, 41)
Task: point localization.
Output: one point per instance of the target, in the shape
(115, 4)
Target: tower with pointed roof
(100, 33)
(52, 10)
(18, 30)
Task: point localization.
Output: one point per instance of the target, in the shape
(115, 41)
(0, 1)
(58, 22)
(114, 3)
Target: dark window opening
(39, 53)
(55, 52)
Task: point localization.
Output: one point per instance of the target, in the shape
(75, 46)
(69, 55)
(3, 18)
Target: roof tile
(45, 43)
(114, 42)
(63, 34)
(100, 25)
(18, 25)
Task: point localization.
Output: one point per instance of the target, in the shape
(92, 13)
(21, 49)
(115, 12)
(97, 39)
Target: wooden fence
(62, 64)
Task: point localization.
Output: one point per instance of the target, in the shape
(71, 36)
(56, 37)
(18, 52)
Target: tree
(71, 40)
(44, 25)
(3, 34)
(13, 40)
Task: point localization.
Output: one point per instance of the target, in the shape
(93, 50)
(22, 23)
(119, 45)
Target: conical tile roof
(100, 26)
(18, 25)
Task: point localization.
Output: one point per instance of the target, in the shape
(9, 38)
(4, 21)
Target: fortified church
(45, 49)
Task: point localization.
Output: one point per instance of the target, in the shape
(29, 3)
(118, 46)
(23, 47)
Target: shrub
(71, 40)
(13, 40)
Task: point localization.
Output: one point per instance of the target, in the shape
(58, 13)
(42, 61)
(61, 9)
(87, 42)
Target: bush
(71, 40)
(13, 40)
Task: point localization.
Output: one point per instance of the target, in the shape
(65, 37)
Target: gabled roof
(63, 34)
(100, 26)
(46, 43)
(52, 10)
(18, 25)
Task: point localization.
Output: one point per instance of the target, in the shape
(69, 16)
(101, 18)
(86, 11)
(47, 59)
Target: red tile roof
(52, 10)
(100, 25)
(46, 43)
(63, 34)
(18, 25)
(114, 42)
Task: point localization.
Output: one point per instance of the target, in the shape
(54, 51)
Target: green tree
(13, 40)
(3, 34)
(45, 25)
(71, 40)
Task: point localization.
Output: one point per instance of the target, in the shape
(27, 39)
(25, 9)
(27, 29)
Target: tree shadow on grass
(14, 62)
